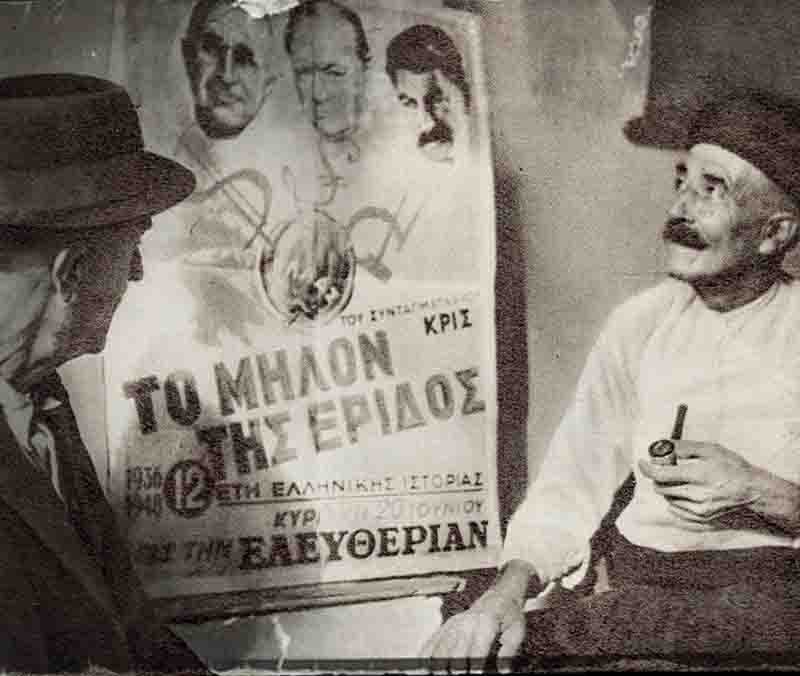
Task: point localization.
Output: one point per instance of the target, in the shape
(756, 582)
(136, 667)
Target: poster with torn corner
(302, 388)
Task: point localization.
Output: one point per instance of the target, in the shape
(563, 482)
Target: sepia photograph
(409, 336)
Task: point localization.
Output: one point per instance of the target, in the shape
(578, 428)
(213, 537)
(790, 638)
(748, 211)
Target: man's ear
(779, 234)
(68, 271)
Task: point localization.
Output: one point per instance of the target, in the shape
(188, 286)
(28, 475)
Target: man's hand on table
(498, 612)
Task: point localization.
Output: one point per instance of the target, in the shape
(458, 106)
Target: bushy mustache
(217, 86)
(440, 133)
(677, 230)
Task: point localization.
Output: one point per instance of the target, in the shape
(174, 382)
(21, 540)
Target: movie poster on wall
(302, 388)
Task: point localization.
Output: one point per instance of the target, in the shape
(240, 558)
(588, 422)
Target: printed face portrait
(328, 54)
(436, 112)
(427, 71)
(713, 228)
(228, 61)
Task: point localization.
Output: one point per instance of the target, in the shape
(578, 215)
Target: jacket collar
(31, 495)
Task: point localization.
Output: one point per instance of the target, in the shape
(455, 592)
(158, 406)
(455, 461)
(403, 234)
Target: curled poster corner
(260, 8)
(283, 639)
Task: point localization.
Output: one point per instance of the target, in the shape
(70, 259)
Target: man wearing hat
(704, 561)
(77, 191)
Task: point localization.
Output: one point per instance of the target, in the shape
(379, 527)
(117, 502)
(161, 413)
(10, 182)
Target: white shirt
(739, 374)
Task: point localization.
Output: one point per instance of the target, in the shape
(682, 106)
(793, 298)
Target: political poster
(301, 389)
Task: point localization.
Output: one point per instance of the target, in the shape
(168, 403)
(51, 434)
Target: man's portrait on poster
(428, 75)
(330, 54)
(254, 208)
(228, 57)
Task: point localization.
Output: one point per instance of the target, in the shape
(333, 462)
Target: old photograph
(442, 336)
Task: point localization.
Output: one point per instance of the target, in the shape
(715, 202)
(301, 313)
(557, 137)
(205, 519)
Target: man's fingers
(702, 510)
(685, 513)
(655, 472)
(450, 635)
(696, 512)
(511, 639)
(444, 648)
(665, 474)
(685, 492)
(428, 646)
(461, 640)
(433, 645)
(691, 449)
(482, 638)
(460, 648)
(468, 635)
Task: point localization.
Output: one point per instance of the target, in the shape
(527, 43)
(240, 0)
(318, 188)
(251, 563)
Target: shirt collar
(19, 409)
(11, 400)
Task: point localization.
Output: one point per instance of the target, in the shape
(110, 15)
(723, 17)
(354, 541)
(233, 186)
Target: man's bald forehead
(314, 10)
(326, 25)
(207, 10)
(742, 177)
(728, 159)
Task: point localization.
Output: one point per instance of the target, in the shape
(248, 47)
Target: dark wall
(47, 35)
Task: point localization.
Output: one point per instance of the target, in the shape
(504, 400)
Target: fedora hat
(72, 156)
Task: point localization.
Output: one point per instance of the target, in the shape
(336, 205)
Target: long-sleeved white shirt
(739, 374)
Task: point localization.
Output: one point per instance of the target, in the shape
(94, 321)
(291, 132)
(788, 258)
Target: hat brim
(94, 194)
(665, 129)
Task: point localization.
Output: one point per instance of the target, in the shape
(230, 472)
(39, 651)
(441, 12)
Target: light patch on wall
(641, 28)
(26, 7)
(21, 10)
(260, 8)
(58, 10)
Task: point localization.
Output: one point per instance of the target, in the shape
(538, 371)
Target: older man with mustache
(427, 72)
(228, 57)
(705, 558)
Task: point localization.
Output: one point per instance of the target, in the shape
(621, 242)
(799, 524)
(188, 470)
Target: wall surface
(579, 208)
(579, 212)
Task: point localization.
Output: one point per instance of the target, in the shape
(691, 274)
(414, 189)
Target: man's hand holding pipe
(710, 481)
